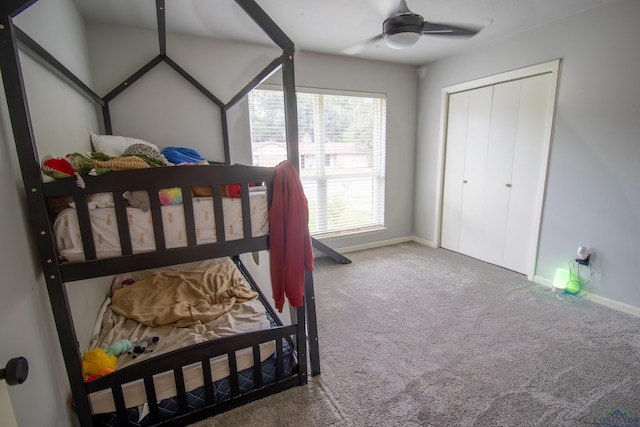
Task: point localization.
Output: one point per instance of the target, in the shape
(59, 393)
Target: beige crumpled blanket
(182, 298)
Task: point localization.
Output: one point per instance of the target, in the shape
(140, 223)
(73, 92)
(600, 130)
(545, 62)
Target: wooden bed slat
(257, 367)
(189, 216)
(208, 381)
(218, 213)
(152, 399)
(156, 216)
(180, 389)
(233, 374)
(123, 223)
(84, 222)
(246, 211)
(279, 360)
(118, 400)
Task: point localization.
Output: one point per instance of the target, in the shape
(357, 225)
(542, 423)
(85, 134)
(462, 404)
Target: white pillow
(112, 145)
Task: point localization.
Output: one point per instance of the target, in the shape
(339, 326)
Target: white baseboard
(388, 242)
(424, 242)
(616, 305)
(372, 245)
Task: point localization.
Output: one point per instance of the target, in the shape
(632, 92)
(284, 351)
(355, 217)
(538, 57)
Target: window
(347, 130)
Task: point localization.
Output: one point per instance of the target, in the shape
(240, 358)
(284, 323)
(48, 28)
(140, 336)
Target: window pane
(341, 146)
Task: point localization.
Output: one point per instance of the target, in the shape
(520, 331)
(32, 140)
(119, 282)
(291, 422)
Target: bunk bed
(230, 369)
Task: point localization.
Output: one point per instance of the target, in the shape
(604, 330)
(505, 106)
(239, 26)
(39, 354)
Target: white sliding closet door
(495, 162)
(454, 167)
(473, 235)
(529, 169)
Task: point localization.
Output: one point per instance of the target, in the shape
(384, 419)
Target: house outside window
(342, 144)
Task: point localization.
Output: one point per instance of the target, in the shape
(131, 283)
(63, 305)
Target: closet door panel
(454, 169)
(473, 235)
(528, 170)
(502, 141)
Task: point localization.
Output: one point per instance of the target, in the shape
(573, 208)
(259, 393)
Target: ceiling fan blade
(359, 47)
(402, 8)
(434, 29)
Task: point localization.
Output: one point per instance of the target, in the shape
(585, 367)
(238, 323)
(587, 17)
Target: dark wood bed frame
(57, 273)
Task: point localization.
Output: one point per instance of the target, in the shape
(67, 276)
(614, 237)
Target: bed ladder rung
(180, 390)
(257, 367)
(233, 374)
(152, 399)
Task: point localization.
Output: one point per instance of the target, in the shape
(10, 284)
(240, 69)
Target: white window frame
(320, 177)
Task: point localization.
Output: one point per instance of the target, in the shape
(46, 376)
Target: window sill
(349, 233)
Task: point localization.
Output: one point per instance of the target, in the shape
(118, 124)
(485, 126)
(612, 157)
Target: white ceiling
(331, 26)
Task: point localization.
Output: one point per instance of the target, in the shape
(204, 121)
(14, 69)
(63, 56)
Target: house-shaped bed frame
(57, 273)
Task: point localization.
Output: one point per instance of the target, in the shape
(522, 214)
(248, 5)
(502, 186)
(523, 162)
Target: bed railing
(201, 354)
(152, 180)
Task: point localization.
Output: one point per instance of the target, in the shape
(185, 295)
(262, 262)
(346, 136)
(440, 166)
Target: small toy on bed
(120, 347)
(183, 156)
(170, 196)
(74, 164)
(232, 190)
(143, 345)
(97, 363)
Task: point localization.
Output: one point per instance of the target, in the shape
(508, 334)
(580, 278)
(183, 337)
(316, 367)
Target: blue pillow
(178, 155)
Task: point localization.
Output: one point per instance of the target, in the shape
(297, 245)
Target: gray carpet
(414, 336)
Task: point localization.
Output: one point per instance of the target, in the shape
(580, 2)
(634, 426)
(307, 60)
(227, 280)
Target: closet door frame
(551, 67)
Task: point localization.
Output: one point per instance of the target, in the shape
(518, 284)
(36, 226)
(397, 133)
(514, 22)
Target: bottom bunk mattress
(182, 306)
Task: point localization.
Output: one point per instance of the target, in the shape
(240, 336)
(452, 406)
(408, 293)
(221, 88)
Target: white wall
(27, 328)
(592, 193)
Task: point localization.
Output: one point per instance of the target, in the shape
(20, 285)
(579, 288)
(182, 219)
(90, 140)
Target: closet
(497, 141)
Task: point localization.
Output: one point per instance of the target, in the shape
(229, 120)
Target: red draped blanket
(290, 247)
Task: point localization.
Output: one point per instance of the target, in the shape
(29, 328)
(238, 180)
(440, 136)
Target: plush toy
(232, 190)
(97, 363)
(120, 347)
(142, 346)
(170, 196)
(70, 165)
(57, 167)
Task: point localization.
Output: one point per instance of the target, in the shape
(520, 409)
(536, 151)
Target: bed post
(312, 326)
(38, 218)
(290, 108)
(301, 343)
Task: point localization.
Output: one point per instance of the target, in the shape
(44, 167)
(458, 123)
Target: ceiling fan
(404, 28)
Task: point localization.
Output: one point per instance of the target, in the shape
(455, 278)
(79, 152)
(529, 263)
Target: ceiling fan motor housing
(403, 23)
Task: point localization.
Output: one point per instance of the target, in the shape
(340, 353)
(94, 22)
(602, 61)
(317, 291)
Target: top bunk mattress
(105, 228)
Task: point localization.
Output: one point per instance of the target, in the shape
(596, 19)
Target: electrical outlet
(583, 255)
(583, 261)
